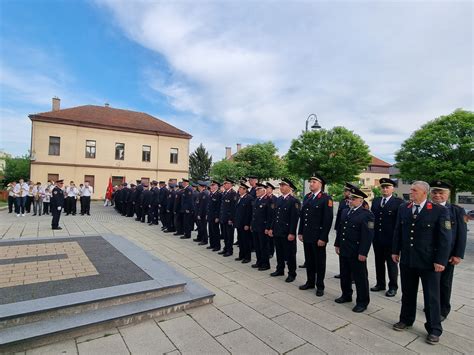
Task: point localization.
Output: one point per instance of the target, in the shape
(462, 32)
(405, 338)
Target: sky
(231, 72)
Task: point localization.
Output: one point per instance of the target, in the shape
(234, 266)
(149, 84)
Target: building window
(90, 149)
(119, 151)
(465, 199)
(54, 145)
(174, 156)
(53, 177)
(90, 179)
(117, 180)
(146, 153)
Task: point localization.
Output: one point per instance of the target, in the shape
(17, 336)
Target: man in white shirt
(72, 193)
(86, 193)
(21, 191)
(38, 194)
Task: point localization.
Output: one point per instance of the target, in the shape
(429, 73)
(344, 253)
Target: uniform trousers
(202, 229)
(315, 259)
(85, 205)
(446, 285)
(56, 215)
(383, 255)
(353, 269)
(214, 234)
(245, 243)
(188, 223)
(285, 252)
(11, 203)
(261, 245)
(430, 281)
(228, 235)
(71, 205)
(178, 222)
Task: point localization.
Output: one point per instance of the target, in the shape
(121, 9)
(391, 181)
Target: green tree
(261, 160)
(200, 164)
(226, 169)
(376, 191)
(338, 154)
(336, 191)
(16, 168)
(441, 149)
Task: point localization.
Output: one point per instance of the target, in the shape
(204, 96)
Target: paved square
(253, 312)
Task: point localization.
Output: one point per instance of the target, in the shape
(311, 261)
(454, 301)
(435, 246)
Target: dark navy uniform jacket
(203, 203)
(177, 201)
(57, 198)
(385, 219)
(162, 196)
(316, 217)
(155, 191)
(343, 204)
(214, 206)
(285, 220)
(146, 197)
(253, 192)
(356, 232)
(272, 200)
(187, 200)
(243, 211)
(228, 204)
(260, 220)
(423, 240)
(170, 200)
(458, 230)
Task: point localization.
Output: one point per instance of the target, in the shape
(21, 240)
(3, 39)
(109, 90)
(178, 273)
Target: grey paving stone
(422, 347)
(321, 338)
(190, 337)
(211, 276)
(213, 320)
(112, 344)
(243, 342)
(306, 349)
(66, 347)
(265, 329)
(469, 311)
(146, 338)
(96, 335)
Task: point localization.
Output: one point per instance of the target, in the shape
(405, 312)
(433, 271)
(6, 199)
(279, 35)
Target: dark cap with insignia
(356, 192)
(244, 185)
(252, 177)
(440, 185)
(229, 181)
(317, 177)
(259, 185)
(215, 182)
(286, 181)
(138, 181)
(185, 180)
(154, 182)
(60, 181)
(268, 184)
(386, 182)
(349, 186)
(203, 183)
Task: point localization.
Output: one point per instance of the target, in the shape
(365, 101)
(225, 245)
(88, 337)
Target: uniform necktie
(350, 212)
(417, 210)
(384, 201)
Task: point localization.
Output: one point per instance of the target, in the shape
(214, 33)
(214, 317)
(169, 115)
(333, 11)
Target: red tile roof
(379, 162)
(104, 117)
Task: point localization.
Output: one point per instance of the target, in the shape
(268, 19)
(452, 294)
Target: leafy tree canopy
(200, 164)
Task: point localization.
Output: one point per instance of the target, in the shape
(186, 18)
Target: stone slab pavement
(253, 312)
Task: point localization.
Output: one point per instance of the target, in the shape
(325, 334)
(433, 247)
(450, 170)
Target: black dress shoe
(302, 266)
(245, 261)
(216, 249)
(432, 339)
(196, 240)
(377, 288)
(202, 243)
(343, 299)
(401, 326)
(391, 293)
(277, 273)
(238, 259)
(358, 308)
(255, 266)
(338, 276)
(226, 255)
(306, 287)
(320, 293)
(290, 278)
(221, 252)
(236, 243)
(209, 247)
(264, 268)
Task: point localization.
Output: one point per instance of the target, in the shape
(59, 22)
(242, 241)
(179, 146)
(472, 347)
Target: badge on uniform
(330, 203)
(370, 224)
(447, 225)
(55, 192)
(297, 205)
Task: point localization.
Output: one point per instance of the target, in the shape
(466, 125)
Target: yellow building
(94, 143)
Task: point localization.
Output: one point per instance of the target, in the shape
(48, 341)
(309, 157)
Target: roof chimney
(228, 152)
(106, 104)
(239, 146)
(56, 103)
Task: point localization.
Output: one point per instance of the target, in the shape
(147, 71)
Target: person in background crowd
(11, 196)
(227, 216)
(201, 211)
(21, 192)
(80, 197)
(213, 210)
(47, 199)
(86, 193)
(38, 194)
(343, 204)
(243, 218)
(272, 199)
(71, 193)
(29, 197)
(259, 224)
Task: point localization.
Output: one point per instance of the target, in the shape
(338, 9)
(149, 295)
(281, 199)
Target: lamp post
(315, 125)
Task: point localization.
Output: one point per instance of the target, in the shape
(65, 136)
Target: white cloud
(256, 70)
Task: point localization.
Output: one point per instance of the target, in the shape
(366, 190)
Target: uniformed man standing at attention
(353, 240)
(315, 223)
(227, 216)
(283, 229)
(259, 224)
(162, 204)
(253, 182)
(343, 204)
(440, 194)
(271, 213)
(187, 208)
(57, 204)
(385, 209)
(243, 218)
(201, 213)
(422, 244)
(213, 211)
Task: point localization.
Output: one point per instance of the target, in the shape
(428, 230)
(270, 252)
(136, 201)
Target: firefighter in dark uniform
(201, 213)
(385, 209)
(213, 211)
(343, 204)
(259, 224)
(227, 216)
(170, 200)
(271, 214)
(145, 203)
(252, 182)
(162, 204)
(353, 240)
(422, 244)
(130, 200)
(138, 198)
(440, 194)
(154, 202)
(243, 218)
(177, 215)
(57, 203)
(315, 224)
(283, 229)
(187, 209)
